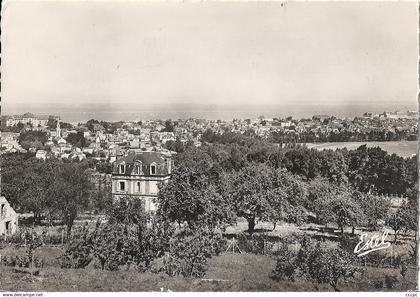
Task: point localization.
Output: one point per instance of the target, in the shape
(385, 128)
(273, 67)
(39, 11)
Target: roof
(28, 115)
(145, 158)
(162, 168)
(2, 199)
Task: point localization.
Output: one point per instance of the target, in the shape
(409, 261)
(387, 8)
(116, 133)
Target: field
(227, 272)
(401, 148)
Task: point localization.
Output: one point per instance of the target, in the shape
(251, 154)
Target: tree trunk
(251, 225)
(395, 236)
(69, 226)
(335, 287)
(274, 225)
(342, 229)
(352, 230)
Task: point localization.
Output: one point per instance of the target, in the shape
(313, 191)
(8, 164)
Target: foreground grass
(227, 272)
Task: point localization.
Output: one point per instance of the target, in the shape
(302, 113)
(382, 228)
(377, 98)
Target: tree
(405, 218)
(330, 265)
(189, 252)
(176, 146)
(346, 212)
(189, 197)
(316, 262)
(26, 181)
(289, 197)
(325, 265)
(91, 124)
(259, 192)
(77, 139)
(396, 222)
(52, 124)
(374, 170)
(169, 126)
(36, 139)
(374, 207)
(70, 190)
(250, 194)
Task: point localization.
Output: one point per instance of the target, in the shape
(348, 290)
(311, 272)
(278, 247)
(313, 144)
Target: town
(182, 197)
(108, 141)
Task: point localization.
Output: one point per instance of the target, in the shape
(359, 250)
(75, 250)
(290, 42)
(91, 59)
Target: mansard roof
(146, 158)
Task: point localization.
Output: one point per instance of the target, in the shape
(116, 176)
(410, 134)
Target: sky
(58, 54)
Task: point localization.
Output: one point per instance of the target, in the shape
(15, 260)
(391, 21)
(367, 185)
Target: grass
(401, 148)
(227, 272)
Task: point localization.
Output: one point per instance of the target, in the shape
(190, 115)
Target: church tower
(58, 131)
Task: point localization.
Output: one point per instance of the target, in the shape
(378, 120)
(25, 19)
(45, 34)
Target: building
(41, 154)
(138, 174)
(8, 218)
(26, 119)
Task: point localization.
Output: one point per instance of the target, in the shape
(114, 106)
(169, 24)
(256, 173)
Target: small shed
(8, 218)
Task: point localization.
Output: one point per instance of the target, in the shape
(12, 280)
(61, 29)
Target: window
(122, 168)
(153, 187)
(147, 189)
(122, 186)
(153, 169)
(138, 187)
(138, 169)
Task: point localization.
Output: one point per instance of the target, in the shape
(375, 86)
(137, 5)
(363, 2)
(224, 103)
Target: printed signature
(375, 243)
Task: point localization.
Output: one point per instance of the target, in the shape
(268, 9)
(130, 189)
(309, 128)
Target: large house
(27, 118)
(8, 218)
(138, 174)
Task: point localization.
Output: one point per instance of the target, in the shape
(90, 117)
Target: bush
(112, 245)
(78, 253)
(286, 265)
(404, 269)
(390, 281)
(189, 252)
(317, 263)
(378, 284)
(255, 244)
(376, 259)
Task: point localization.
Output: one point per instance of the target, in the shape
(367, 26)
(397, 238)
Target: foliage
(390, 281)
(326, 265)
(396, 222)
(52, 124)
(405, 218)
(191, 196)
(77, 139)
(189, 253)
(70, 191)
(374, 207)
(169, 126)
(373, 169)
(286, 265)
(317, 263)
(345, 211)
(78, 253)
(51, 188)
(311, 163)
(35, 139)
(124, 239)
(259, 192)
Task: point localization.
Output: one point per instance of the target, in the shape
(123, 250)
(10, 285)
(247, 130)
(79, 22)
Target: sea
(83, 113)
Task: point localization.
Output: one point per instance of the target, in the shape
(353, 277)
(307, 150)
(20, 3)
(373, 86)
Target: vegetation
(35, 139)
(229, 179)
